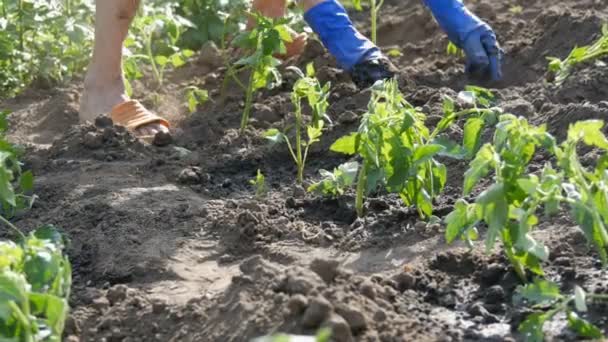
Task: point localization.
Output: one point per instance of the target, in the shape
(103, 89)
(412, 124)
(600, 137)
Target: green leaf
(532, 327)
(495, 211)
(479, 167)
(590, 131)
(53, 308)
(426, 152)
(451, 149)
(346, 144)
(472, 135)
(582, 327)
(274, 135)
(13, 287)
(580, 299)
(161, 60)
(50, 233)
(26, 181)
(540, 292)
(459, 220)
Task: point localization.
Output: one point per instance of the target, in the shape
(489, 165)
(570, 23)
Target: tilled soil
(170, 244)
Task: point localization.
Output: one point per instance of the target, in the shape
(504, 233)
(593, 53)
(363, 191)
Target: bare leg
(103, 84)
(308, 4)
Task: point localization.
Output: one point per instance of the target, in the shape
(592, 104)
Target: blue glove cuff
(455, 19)
(330, 22)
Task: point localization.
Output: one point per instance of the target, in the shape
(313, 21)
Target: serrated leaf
(472, 135)
(582, 327)
(479, 168)
(590, 132)
(532, 327)
(540, 292)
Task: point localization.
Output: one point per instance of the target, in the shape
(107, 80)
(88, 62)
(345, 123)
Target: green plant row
(35, 274)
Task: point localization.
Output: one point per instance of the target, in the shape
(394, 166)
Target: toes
(151, 130)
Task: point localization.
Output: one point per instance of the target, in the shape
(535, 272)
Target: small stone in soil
(368, 289)
(492, 274)
(103, 121)
(340, 331)
(117, 294)
(405, 281)
(326, 269)
(93, 140)
(318, 310)
(188, 176)
(162, 139)
(354, 317)
(297, 304)
(494, 295)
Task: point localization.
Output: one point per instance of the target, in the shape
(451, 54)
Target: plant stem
(10, 225)
(374, 18)
(155, 70)
(299, 161)
(361, 185)
(248, 101)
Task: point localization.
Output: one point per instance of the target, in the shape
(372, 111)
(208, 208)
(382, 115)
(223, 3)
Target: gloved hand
(471, 34)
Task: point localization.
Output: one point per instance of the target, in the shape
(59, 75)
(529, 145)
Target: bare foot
(99, 97)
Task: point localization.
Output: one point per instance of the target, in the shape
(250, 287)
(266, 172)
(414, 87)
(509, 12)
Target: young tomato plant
(335, 183)
(586, 191)
(397, 151)
(267, 38)
(543, 294)
(154, 38)
(579, 55)
(507, 206)
(307, 87)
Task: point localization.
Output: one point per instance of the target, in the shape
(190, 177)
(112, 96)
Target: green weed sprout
(259, 182)
(307, 87)
(543, 294)
(453, 50)
(195, 97)
(267, 38)
(374, 8)
(579, 55)
(335, 183)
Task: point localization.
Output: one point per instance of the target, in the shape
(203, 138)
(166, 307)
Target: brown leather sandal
(132, 114)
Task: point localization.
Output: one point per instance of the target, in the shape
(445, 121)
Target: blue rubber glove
(468, 32)
(330, 22)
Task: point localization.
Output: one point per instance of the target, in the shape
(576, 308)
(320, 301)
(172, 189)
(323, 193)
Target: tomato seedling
(309, 88)
(397, 151)
(579, 55)
(154, 38)
(266, 39)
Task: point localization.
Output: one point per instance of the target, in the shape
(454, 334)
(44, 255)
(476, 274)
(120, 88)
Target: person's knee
(127, 9)
(308, 4)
